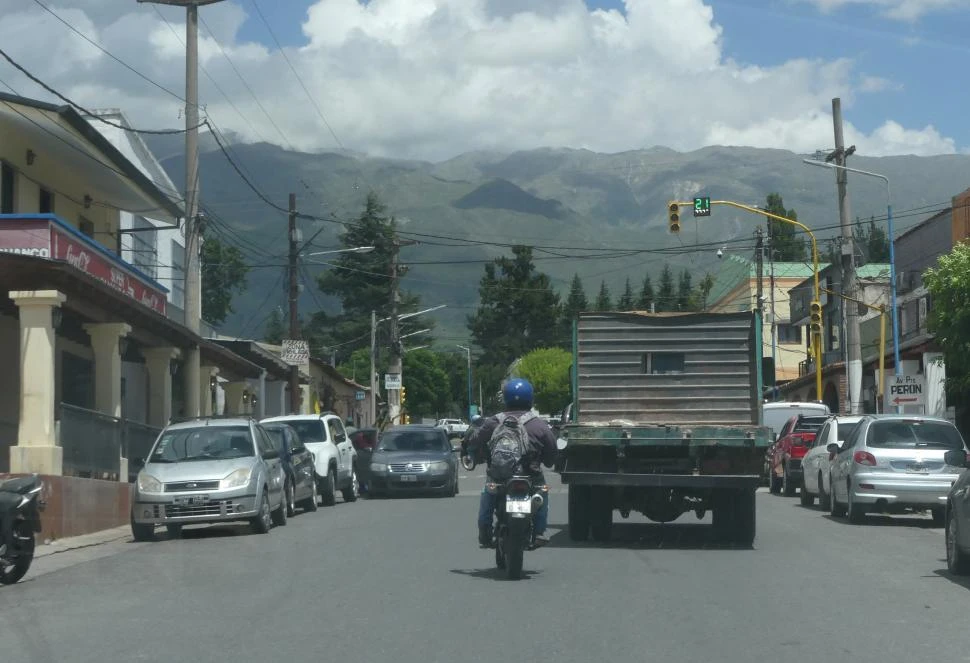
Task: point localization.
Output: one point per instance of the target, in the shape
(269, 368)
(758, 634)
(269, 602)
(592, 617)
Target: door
(842, 465)
(344, 448)
(275, 478)
(816, 451)
(302, 462)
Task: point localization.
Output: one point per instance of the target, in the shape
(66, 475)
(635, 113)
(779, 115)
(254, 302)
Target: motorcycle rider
(518, 397)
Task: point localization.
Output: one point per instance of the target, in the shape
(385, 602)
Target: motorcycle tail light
(518, 488)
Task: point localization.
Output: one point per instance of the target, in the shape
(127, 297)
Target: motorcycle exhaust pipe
(537, 501)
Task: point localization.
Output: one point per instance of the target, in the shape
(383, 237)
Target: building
(873, 282)
(736, 289)
(91, 341)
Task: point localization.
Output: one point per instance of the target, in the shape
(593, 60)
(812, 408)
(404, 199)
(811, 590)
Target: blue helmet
(517, 394)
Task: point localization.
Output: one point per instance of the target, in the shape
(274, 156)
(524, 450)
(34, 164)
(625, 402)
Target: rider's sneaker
(484, 536)
(540, 541)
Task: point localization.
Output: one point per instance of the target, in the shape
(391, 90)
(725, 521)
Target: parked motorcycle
(516, 503)
(20, 508)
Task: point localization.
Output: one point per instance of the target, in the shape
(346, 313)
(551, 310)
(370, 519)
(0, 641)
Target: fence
(94, 443)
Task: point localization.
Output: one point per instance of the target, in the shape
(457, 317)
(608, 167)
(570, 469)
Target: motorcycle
(20, 509)
(516, 503)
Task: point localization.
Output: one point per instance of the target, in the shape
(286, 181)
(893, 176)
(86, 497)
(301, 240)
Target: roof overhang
(253, 352)
(62, 134)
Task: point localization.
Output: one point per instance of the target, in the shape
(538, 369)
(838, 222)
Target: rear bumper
(662, 480)
(900, 492)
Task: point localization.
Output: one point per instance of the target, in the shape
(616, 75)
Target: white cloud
(879, 84)
(433, 78)
(900, 10)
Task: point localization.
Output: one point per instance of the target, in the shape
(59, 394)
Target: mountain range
(564, 201)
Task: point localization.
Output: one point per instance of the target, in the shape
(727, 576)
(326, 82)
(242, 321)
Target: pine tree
(575, 304)
(603, 301)
(666, 299)
(626, 299)
(684, 290)
(786, 242)
(647, 296)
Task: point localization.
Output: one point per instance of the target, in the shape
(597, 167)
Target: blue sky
(925, 57)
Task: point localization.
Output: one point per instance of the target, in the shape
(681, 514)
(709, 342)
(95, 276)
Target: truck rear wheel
(744, 517)
(723, 515)
(579, 512)
(601, 521)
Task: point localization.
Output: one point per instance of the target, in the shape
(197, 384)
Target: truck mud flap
(662, 480)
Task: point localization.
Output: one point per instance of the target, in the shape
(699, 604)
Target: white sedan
(815, 464)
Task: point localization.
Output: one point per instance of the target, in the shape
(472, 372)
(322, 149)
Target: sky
(432, 79)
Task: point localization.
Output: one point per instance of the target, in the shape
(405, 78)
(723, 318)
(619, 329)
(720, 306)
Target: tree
(684, 291)
(548, 371)
(275, 331)
(873, 240)
(785, 240)
(223, 277)
(518, 311)
(626, 299)
(603, 301)
(698, 298)
(666, 300)
(949, 287)
(426, 383)
(646, 294)
(575, 304)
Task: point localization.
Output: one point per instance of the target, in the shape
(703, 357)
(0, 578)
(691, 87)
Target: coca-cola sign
(40, 237)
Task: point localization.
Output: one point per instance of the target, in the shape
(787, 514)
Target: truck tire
(579, 512)
(601, 521)
(722, 515)
(745, 509)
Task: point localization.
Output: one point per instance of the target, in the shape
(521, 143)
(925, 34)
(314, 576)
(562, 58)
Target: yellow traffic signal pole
(882, 338)
(816, 334)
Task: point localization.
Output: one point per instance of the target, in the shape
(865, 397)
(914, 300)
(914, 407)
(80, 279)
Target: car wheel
(774, 482)
(310, 503)
(788, 488)
(174, 531)
(263, 521)
(835, 509)
(454, 491)
(141, 532)
(289, 496)
(824, 499)
(352, 491)
(857, 512)
(806, 497)
(957, 561)
(328, 489)
(939, 516)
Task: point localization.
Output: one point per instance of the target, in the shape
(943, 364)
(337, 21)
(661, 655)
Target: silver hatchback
(209, 470)
(894, 463)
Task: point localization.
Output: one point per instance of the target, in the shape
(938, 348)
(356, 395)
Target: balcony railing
(94, 443)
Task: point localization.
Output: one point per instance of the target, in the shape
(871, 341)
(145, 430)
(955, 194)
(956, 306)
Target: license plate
(192, 500)
(518, 506)
(409, 478)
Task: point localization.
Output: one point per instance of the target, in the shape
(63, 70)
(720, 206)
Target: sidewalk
(84, 541)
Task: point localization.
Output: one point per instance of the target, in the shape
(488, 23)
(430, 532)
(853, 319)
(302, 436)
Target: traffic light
(673, 217)
(816, 316)
(404, 394)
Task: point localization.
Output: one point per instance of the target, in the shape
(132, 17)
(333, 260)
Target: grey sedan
(414, 458)
(209, 470)
(893, 463)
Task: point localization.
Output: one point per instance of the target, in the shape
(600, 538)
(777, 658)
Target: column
(205, 389)
(235, 392)
(105, 339)
(37, 449)
(261, 403)
(934, 372)
(158, 361)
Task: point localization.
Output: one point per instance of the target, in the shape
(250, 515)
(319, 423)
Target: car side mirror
(297, 450)
(832, 448)
(271, 454)
(956, 458)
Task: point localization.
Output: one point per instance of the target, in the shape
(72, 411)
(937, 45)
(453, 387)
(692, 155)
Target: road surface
(403, 581)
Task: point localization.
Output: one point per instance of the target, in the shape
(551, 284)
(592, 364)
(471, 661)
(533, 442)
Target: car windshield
(908, 434)
(809, 424)
(414, 441)
(203, 443)
(309, 430)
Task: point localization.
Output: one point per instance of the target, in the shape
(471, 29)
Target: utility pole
(853, 344)
(294, 297)
(373, 368)
(468, 354)
(193, 273)
(759, 258)
(771, 294)
(397, 350)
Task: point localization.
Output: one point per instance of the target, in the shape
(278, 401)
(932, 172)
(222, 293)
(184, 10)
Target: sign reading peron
(904, 390)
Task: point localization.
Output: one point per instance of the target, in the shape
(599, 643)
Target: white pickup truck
(453, 427)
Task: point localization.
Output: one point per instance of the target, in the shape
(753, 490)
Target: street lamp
(468, 353)
(356, 249)
(892, 250)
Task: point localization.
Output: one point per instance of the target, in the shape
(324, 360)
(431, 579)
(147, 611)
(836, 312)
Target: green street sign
(702, 206)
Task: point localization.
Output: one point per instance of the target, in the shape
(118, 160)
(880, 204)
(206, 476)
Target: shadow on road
(963, 581)
(881, 520)
(656, 536)
(492, 573)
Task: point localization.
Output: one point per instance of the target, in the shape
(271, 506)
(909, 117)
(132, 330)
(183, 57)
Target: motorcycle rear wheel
(12, 573)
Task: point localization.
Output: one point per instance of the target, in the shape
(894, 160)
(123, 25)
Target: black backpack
(508, 445)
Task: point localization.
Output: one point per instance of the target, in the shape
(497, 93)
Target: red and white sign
(44, 239)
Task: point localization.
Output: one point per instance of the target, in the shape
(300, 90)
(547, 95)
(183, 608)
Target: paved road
(402, 580)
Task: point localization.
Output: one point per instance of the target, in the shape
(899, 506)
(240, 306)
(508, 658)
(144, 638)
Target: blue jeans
(486, 511)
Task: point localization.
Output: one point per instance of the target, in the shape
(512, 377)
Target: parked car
(958, 515)
(785, 455)
(815, 464)
(893, 463)
(301, 485)
(209, 470)
(453, 427)
(414, 458)
(334, 457)
(364, 441)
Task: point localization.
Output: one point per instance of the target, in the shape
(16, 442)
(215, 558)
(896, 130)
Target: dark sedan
(414, 458)
(300, 489)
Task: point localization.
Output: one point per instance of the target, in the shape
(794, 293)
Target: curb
(83, 541)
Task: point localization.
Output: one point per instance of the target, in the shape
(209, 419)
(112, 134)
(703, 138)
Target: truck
(666, 419)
